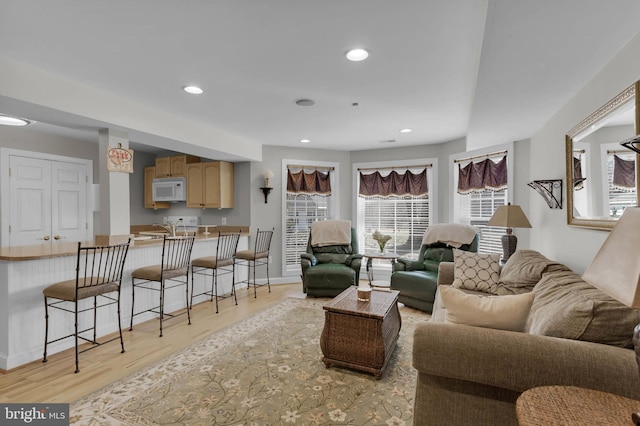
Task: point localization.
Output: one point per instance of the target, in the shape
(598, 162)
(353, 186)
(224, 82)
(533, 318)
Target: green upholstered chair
(416, 280)
(328, 270)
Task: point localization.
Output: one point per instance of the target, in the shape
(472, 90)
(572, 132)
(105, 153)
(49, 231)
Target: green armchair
(328, 270)
(417, 280)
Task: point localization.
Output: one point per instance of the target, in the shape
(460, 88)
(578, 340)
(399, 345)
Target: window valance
(482, 176)
(317, 182)
(393, 184)
(624, 173)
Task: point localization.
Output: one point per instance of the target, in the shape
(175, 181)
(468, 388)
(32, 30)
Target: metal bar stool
(257, 257)
(98, 273)
(223, 263)
(176, 255)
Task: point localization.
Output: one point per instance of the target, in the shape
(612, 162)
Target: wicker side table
(361, 335)
(568, 405)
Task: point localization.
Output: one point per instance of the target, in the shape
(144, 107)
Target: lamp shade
(616, 268)
(509, 216)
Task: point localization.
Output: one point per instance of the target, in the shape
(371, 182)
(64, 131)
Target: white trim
(5, 154)
(334, 208)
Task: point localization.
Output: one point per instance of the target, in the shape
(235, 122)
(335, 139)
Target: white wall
(573, 246)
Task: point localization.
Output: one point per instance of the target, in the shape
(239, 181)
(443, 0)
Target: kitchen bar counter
(44, 251)
(26, 271)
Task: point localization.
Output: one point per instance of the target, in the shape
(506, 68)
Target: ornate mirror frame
(628, 94)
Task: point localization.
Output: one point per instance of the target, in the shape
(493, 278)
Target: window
(405, 218)
(621, 194)
(476, 208)
(301, 209)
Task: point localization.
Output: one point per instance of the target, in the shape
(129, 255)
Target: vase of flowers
(381, 239)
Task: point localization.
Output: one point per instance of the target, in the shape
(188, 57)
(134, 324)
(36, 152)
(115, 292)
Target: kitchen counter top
(45, 251)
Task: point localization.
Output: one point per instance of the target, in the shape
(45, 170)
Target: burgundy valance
(314, 183)
(482, 176)
(624, 173)
(394, 184)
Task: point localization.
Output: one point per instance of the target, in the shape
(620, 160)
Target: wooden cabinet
(210, 185)
(174, 166)
(149, 175)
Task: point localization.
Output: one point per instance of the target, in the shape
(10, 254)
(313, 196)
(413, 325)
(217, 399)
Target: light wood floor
(55, 381)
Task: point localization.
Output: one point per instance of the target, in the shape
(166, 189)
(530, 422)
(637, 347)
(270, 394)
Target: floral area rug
(266, 370)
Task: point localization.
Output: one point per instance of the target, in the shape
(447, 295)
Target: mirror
(601, 173)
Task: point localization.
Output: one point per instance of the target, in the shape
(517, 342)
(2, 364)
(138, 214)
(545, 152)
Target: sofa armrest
(520, 361)
(445, 273)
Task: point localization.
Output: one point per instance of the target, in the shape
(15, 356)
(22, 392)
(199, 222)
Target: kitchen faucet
(170, 227)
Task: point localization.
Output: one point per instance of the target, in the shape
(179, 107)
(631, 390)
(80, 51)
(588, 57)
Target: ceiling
(493, 71)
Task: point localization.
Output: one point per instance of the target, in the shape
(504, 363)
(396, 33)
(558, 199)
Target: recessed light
(305, 102)
(194, 90)
(9, 120)
(405, 130)
(357, 55)
(305, 140)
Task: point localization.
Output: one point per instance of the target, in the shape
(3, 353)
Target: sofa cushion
(567, 306)
(522, 272)
(475, 271)
(500, 312)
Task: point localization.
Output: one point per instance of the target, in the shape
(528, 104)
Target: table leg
(370, 270)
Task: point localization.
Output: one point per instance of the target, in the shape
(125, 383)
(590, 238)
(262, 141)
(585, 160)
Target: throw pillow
(474, 271)
(567, 306)
(522, 272)
(499, 312)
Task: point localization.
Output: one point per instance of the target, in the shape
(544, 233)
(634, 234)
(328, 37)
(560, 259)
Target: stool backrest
(227, 246)
(98, 266)
(176, 252)
(263, 241)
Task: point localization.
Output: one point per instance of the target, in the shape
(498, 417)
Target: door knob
(57, 237)
(46, 238)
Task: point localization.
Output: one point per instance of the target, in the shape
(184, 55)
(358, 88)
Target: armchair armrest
(491, 357)
(406, 264)
(355, 261)
(308, 259)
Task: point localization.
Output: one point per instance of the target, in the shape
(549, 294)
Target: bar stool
(219, 266)
(98, 273)
(257, 257)
(176, 254)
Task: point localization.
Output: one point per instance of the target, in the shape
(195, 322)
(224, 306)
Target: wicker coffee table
(569, 405)
(361, 335)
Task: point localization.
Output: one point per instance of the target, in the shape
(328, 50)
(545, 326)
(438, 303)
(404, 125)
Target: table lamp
(509, 216)
(616, 268)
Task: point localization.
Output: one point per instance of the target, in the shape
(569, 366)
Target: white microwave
(170, 189)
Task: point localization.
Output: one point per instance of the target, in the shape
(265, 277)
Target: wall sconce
(551, 191)
(632, 143)
(266, 189)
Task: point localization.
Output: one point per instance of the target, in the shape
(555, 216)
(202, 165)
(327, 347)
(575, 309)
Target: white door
(48, 201)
